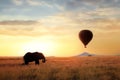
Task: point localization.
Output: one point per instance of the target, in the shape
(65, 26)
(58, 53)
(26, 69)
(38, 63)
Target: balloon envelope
(85, 36)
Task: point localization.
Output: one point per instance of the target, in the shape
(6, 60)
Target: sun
(46, 47)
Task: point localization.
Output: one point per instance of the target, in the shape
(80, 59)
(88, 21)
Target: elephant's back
(28, 56)
(33, 56)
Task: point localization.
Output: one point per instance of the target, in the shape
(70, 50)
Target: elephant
(33, 56)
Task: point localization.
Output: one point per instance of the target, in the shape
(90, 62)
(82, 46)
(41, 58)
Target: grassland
(70, 68)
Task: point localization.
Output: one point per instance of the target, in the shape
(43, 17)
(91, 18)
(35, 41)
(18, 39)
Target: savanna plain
(62, 68)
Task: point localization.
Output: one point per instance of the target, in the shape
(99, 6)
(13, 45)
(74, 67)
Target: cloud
(104, 12)
(98, 19)
(18, 27)
(18, 22)
(17, 2)
(31, 3)
(37, 3)
(27, 9)
(58, 25)
(108, 24)
(72, 15)
(34, 2)
(40, 8)
(110, 3)
(62, 27)
(66, 4)
(90, 4)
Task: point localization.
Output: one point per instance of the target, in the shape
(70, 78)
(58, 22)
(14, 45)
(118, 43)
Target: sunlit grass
(72, 68)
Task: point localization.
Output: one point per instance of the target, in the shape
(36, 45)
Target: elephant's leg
(36, 61)
(26, 62)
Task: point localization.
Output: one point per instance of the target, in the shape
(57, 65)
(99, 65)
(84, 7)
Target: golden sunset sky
(52, 27)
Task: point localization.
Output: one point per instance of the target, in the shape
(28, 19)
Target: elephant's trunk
(44, 60)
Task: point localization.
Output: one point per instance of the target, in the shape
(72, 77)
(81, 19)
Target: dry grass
(72, 68)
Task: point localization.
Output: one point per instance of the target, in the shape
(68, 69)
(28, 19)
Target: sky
(52, 27)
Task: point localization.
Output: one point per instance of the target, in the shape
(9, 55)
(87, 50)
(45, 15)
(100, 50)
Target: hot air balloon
(85, 36)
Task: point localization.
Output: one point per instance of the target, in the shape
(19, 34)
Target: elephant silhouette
(34, 56)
